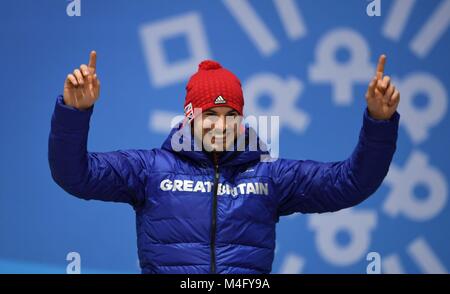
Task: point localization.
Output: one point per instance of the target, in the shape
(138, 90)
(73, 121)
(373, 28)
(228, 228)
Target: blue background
(41, 44)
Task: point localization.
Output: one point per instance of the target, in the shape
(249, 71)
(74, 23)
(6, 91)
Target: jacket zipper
(214, 214)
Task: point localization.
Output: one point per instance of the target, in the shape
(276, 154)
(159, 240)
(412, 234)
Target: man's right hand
(82, 87)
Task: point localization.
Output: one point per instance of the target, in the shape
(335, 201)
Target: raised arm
(118, 176)
(310, 186)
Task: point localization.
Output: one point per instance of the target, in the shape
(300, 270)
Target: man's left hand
(382, 96)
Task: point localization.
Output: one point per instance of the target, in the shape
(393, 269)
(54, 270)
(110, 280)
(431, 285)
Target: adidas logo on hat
(220, 100)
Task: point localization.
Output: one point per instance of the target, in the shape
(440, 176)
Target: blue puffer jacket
(195, 217)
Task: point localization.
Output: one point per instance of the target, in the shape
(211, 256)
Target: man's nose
(219, 123)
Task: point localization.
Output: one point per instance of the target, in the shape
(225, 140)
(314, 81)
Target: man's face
(217, 128)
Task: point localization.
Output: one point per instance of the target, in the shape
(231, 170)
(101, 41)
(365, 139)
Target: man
(212, 209)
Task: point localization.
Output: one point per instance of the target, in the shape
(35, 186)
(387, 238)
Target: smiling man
(213, 208)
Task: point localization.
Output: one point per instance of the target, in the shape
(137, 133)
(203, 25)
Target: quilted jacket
(199, 215)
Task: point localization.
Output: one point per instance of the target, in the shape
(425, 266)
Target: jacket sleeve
(309, 186)
(117, 176)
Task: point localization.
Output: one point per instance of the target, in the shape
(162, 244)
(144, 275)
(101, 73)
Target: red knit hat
(212, 86)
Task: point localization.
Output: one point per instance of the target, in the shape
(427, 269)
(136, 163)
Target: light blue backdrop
(308, 61)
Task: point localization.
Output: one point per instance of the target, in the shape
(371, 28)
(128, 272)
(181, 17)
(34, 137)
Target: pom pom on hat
(209, 64)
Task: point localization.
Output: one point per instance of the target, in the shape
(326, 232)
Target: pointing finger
(93, 60)
(380, 66)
